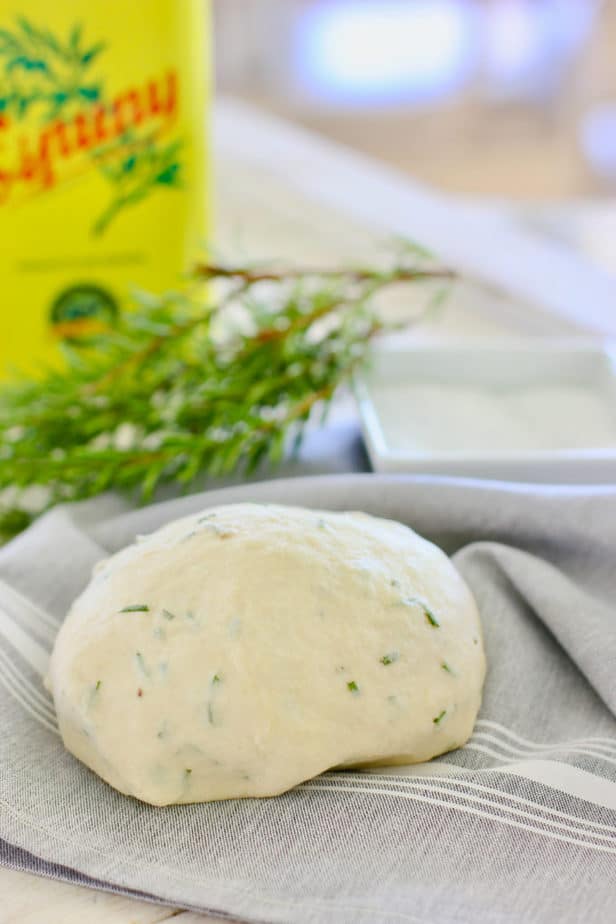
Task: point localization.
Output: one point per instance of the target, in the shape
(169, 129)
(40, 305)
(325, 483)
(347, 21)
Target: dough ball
(239, 651)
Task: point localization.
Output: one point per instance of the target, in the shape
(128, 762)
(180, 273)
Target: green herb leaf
(136, 608)
(446, 667)
(141, 664)
(352, 686)
(388, 659)
(93, 694)
(440, 717)
(415, 601)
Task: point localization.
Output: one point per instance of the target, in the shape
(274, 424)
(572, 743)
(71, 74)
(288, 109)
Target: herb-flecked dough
(242, 650)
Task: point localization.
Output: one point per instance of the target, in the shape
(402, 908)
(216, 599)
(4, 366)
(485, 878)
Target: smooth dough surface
(239, 651)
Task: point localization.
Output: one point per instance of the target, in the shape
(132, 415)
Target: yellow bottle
(103, 163)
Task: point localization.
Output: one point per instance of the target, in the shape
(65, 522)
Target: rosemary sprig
(213, 381)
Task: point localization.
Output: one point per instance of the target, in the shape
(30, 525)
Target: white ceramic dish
(523, 410)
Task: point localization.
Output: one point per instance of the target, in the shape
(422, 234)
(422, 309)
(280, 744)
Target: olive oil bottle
(103, 163)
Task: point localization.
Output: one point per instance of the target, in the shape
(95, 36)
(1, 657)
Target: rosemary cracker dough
(244, 649)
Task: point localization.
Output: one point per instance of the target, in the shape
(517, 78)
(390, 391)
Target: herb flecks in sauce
(166, 614)
(446, 667)
(98, 685)
(136, 608)
(352, 687)
(439, 718)
(390, 658)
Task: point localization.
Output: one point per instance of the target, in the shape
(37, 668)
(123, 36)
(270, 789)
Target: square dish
(521, 410)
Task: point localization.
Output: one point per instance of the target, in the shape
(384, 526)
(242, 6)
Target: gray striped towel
(518, 826)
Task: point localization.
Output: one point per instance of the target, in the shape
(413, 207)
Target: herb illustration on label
(57, 121)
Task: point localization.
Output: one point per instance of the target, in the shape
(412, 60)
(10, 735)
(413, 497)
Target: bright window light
(528, 43)
(598, 138)
(514, 40)
(385, 50)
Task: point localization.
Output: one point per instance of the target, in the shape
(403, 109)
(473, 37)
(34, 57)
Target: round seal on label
(81, 312)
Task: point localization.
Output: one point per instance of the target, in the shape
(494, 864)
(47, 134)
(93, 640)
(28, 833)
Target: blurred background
(511, 98)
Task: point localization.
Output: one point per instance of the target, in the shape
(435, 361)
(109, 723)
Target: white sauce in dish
(428, 418)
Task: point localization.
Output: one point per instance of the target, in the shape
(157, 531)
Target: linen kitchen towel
(517, 826)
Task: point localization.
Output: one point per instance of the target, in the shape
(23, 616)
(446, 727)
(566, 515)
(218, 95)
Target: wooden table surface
(259, 214)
